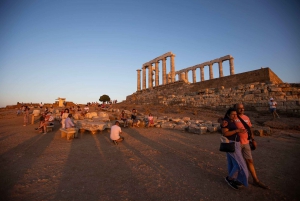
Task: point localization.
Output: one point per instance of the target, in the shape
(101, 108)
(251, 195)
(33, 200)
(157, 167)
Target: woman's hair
(67, 109)
(229, 112)
(150, 114)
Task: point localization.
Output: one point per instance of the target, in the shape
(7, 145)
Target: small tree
(104, 98)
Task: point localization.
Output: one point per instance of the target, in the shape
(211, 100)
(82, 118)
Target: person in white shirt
(115, 132)
(273, 105)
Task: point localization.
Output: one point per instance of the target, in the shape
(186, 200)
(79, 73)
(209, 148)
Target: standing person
(26, 115)
(273, 105)
(64, 116)
(41, 105)
(115, 133)
(244, 140)
(150, 120)
(123, 117)
(237, 168)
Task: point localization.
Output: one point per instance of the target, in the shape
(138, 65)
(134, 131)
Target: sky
(82, 49)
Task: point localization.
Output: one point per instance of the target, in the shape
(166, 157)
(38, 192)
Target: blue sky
(82, 49)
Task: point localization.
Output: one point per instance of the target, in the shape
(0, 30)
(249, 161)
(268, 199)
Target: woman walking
(237, 168)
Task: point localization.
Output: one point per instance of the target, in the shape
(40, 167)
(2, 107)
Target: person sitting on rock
(150, 120)
(135, 121)
(123, 117)
(69, 125)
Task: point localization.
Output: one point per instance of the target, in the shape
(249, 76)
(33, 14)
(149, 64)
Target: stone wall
(253, 88)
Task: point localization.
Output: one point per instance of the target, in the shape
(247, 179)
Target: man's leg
(246, 151)
(120, 139)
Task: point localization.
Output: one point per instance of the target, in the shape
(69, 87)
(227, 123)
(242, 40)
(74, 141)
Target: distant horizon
(26, 103)
(83, 49)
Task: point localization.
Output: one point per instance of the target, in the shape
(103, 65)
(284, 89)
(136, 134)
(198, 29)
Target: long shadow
(16, 161)
(172, 166)
(92, 170)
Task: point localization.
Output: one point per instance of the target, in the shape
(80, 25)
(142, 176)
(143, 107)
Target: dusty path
(151, 164)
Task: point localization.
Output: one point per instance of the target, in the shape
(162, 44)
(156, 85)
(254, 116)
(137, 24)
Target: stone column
(150, 81)
(211, 72)
(186, 75)
(156, 74)
(164, 69)
(202, 73)
(172, 68)
(194, 75)
(231, 66)
(144, 77)
(221, 69)
(138, 80)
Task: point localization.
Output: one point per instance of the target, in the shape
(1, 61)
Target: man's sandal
(261, 185)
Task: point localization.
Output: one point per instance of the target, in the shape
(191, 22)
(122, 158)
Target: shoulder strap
(246, 126)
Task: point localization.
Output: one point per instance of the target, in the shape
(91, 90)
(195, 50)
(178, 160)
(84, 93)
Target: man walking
(273, 105)
(244, 140)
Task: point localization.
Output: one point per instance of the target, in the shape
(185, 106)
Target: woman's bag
(227, 147)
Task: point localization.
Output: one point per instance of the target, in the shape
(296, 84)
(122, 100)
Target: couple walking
(234, 128)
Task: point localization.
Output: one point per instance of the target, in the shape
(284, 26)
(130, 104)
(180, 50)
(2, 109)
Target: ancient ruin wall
(253, 88)
(265, 75)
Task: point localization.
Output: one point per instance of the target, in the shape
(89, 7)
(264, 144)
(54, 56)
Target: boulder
(167, 125)
(194, 128)
(180, 127)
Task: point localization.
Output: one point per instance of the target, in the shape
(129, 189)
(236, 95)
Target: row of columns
(210, 64)
(166, 77)
(170, 77)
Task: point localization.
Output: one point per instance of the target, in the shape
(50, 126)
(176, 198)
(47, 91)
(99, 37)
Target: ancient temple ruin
(181, 74)
(253, 88)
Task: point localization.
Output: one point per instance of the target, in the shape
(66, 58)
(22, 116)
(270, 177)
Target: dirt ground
(151, 164)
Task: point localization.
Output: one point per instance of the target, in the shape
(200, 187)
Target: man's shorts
(246, 151)
(272, 110)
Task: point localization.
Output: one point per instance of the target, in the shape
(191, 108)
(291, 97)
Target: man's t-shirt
(115, 132)
(272, 104)
(239, 124)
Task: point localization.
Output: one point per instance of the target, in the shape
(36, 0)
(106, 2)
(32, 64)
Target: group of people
(239, 162)
(46, 119)
(116, 129)
(135, 121)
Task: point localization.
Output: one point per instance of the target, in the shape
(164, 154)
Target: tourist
(26, 115)
(69, 125)
(244, 140)
(135, 121)
(64, 116)
(150, 120)
(46, 120)
(123, 117)
(237, 168)
(42, 125)
(19, 111)
(273, 105)
(41, 105)
(115, 132)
